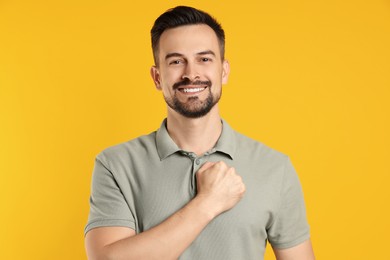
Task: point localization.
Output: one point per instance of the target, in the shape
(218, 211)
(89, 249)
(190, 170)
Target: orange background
(308, 78)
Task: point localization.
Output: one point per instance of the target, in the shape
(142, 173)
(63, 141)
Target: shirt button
(197, 161)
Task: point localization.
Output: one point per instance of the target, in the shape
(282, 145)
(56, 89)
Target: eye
(175, 62)
(205, 59)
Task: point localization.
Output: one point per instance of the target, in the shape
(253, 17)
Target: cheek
(170, 78)
(173, 71)
(216, 79)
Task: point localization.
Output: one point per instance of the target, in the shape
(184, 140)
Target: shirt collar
(227, 141)
(166, 146)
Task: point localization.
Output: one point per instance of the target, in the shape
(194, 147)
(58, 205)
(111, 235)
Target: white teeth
(192, 90)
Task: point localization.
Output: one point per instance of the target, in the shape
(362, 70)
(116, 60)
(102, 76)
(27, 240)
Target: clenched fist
(219, 186)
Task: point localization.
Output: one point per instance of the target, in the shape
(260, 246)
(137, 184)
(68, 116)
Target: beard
(193, 107)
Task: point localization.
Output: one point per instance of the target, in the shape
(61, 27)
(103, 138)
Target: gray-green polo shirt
(140, 183)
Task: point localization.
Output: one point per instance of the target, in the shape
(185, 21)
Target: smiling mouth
(192, 90)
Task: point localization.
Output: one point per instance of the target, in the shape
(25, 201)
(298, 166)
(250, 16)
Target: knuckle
(231, 170)
(222, 164)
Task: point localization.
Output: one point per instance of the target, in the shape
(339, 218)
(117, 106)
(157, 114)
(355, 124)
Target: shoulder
(254, 149)
(121, 153)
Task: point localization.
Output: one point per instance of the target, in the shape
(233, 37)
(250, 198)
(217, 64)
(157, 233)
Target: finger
(205, 166)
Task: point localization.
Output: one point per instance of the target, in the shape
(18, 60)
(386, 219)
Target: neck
(197, 135)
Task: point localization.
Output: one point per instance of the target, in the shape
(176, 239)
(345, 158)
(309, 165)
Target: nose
(190, 72)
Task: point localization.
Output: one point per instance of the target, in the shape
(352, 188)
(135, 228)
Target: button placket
(192, 187)
(196, 164)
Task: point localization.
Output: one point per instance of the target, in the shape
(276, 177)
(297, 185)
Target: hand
(219, 186)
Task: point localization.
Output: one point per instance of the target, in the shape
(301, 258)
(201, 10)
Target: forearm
(167, 240)
(219, 189)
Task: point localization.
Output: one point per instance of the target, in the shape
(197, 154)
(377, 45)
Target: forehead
(188, 40)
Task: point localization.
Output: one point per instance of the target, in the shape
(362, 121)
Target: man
(194, 189)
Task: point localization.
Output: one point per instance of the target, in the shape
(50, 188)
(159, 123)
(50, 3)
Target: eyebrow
(176, 54)
(206, 52)
(173, 54)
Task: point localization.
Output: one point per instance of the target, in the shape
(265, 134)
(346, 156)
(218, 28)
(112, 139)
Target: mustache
(187, 82)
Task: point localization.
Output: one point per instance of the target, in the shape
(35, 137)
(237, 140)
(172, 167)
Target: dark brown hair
(184, 15)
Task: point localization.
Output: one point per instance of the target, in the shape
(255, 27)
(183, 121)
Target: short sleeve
(108, 206)
(290, 226)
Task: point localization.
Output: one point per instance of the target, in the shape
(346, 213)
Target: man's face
(190, 72)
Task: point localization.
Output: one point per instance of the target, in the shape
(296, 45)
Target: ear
(155, 73)
(225, 71)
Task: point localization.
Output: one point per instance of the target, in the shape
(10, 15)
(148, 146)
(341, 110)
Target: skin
(195, 57)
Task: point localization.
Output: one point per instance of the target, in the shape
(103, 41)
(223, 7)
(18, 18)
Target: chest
(158, 191)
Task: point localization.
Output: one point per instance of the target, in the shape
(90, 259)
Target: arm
(289, 233)
(303, 251)
(219, 189)
(165, 241)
